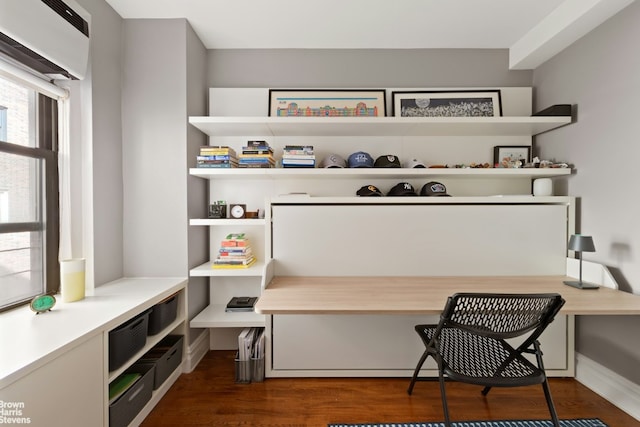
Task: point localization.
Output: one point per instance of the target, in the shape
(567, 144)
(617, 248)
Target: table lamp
(580, 243)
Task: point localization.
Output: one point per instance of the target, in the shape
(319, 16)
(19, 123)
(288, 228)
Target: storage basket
(127, 339)
(123, 410)
(166, 356)
(162, 314)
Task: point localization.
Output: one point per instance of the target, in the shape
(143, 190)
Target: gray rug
(582, 422)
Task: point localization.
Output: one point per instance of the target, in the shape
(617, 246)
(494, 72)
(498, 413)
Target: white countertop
(28, 341)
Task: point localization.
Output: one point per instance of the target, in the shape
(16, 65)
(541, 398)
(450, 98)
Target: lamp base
(581, 285)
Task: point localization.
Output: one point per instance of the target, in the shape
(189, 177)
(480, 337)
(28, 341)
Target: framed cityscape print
(327, 103)
(458, 103)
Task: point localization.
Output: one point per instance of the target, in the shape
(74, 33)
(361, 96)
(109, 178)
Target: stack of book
(257, 154)
(298, 156)
(241, 304)
(220, 156)
(235, 252)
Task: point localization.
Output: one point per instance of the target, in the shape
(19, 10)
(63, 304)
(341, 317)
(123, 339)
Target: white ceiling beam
(566, 24)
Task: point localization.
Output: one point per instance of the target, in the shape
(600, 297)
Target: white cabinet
(67, 349)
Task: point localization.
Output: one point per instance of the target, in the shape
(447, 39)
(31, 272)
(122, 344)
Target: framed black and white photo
(511, 156)
(459, 103)
(327, 103)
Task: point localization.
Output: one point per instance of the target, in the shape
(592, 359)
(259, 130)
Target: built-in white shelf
(413, 200)
(227, 221)
(215, 316)
(372, 173)
(207, 270)
(377, 126)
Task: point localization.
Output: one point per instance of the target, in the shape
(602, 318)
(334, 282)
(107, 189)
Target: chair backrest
(501, 315)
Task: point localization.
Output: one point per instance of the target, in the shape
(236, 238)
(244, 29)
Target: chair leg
(415, 373)
(443, 394)
(486, 390)
(552, 408)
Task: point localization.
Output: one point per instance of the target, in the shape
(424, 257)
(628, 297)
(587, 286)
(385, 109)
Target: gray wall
(100, 129)
(373, 68)
(599, 74)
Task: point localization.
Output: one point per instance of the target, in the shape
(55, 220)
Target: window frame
(46, 149)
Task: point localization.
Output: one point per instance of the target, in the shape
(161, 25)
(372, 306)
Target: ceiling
(532, 30)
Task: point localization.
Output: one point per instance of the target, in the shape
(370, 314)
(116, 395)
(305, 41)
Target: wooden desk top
(425, 295)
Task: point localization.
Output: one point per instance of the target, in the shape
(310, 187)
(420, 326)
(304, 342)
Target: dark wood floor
(209, 397)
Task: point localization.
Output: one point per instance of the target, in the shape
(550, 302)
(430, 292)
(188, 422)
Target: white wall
(599, 73)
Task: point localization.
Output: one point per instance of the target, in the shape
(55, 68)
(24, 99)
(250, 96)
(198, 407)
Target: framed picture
(327, 103)
(511, 156)
(458, 103)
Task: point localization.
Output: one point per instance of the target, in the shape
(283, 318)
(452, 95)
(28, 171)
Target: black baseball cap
(433, 188)
(402, 189)
(387, 161)
(369, 191)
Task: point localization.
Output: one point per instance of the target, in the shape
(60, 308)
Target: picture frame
(447, 103)
(327, 103)
(510, 156)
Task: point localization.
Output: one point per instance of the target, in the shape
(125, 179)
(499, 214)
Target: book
(241, 304)
(216, 157)
(256, 165)
(298, 156)
(121, 384)
(239, 261)
(216, 165)
(298, 162)
(226, 265)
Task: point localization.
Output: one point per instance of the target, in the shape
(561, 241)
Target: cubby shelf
(215, 316)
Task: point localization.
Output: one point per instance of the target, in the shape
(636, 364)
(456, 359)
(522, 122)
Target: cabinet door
(68, 391)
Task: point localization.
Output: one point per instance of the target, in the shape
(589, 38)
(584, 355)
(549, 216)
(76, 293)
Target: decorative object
(543, 187)
(72, 279)
(511, 156)
(580, 243)
(447, 103)
(327, 103)
(580, 422)
(42, 303)
(238, 211)
(218, 210)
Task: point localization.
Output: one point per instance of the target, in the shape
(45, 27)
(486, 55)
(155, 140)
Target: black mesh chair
(469, 343)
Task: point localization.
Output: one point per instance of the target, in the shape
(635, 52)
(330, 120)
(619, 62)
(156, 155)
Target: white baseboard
(196, 351)
(616, 389)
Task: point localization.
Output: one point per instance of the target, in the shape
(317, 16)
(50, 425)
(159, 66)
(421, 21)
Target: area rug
(582, 422)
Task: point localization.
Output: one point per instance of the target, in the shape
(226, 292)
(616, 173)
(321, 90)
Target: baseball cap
(360, 159)
(333, 161)
(402, 189)
(368, 191)
(387, 161)
(433, 188)
(414, 163)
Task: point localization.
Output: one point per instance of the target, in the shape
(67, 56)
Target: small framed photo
(511, 156)
(327, 103)
(459, 103)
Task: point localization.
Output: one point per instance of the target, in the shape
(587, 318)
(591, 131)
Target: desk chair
(469, 343)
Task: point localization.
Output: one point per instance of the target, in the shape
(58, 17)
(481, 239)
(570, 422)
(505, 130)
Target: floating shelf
(377, 126)
(207, 270)
(372, 173)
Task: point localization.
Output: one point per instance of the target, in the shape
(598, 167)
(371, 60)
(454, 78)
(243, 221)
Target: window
(29, 230)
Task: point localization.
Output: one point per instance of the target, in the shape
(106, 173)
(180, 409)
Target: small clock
(42, 303)
(238, 211)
